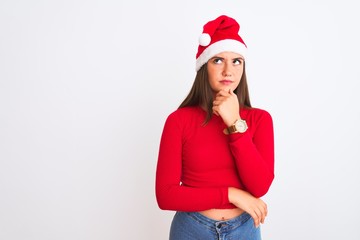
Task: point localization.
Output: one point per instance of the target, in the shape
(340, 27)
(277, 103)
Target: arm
(254, 155)
(170, 194)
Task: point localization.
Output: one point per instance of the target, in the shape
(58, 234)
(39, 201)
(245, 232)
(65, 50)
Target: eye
(237, 61)
(218, 60)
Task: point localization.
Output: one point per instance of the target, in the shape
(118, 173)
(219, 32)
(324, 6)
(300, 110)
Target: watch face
(241, 126)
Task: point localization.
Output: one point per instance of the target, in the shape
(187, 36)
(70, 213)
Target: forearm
(255, 170)
(182, 198)
(253, 152)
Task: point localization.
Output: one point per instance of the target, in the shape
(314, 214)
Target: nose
(227, 70)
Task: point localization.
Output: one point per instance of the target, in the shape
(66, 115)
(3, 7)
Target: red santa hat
(219, 35)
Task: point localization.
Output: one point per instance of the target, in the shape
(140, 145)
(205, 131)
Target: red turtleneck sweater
(197, 163)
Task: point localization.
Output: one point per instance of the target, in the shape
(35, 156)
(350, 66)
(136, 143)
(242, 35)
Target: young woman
(216, 155)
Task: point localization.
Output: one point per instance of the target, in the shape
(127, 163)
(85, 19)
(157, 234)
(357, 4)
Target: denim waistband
(229, 224)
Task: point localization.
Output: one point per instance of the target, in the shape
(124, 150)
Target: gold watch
(239, 126)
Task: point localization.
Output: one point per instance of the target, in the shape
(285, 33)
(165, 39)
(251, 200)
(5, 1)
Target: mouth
(226, 82)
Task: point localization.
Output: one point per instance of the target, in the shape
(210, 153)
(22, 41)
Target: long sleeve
(254, 154)
(170, 194)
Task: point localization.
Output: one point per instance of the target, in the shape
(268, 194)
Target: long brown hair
(201, 93)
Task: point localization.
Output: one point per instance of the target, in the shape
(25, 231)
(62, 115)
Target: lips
(226, 82)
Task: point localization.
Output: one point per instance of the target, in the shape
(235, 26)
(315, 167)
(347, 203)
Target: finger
(215, 111)
(266, 209)
(263, 208)
(216, 102)
(257, 217)
(261, 212)
(254, 217)
(264, 212)
(223, 93)
(262, 220)
(219, 100)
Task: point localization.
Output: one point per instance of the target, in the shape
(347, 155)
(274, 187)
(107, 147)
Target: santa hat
(219, 35)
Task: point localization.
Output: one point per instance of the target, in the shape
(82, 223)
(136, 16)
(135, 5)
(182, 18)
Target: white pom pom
(204, 39)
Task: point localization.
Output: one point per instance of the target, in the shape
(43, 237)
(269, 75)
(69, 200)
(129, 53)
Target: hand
(256, 207)
(226, 105)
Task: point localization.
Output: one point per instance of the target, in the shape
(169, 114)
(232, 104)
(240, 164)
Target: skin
(225, 70)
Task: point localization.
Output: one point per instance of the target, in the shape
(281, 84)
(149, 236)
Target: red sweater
(197, 163)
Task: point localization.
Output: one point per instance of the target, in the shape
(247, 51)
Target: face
(225, 70)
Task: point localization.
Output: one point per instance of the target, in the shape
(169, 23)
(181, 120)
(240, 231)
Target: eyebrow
(237, 58)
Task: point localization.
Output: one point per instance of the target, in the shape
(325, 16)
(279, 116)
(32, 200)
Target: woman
(216, 155)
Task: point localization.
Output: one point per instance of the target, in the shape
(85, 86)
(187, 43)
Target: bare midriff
(222, 214)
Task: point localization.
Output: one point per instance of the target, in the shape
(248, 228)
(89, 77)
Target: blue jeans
(193, 226)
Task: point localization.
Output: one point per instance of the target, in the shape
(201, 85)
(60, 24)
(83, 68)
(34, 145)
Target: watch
(239, 126)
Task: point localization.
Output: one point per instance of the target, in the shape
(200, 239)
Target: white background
(85, 87)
